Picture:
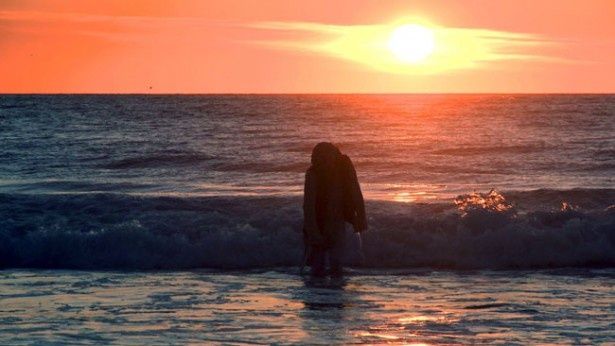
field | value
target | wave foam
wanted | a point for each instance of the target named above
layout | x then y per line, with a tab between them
113	231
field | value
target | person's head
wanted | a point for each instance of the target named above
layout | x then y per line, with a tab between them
324	155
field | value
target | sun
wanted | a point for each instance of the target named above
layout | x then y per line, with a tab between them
411	43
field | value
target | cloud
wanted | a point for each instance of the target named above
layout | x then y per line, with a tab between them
455	48
118	28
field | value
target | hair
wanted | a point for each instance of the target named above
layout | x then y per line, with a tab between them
320	151
326	176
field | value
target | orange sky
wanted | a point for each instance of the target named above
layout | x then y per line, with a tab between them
172	46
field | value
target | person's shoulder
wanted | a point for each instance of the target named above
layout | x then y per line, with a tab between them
345	159
346	162
310	177
309	172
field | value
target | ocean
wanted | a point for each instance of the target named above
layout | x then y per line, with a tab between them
127	219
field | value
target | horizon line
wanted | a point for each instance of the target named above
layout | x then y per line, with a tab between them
303	93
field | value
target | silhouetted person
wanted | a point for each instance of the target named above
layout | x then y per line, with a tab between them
332	196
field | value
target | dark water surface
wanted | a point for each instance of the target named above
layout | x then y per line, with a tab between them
564	306
406	147
90	183
102	181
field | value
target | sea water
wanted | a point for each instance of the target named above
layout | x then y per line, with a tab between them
411	307
151	186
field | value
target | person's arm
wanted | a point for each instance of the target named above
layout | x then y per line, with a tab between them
360	222
310	225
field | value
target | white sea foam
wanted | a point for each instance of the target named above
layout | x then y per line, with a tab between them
129	232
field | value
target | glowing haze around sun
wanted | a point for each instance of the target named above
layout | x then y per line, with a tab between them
409	45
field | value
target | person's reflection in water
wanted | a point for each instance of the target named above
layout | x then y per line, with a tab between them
325	316
332	197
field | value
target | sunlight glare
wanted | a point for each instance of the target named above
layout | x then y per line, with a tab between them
411	43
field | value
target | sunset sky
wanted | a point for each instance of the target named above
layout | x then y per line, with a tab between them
316	46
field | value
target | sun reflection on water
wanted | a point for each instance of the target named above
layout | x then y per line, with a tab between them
422	319
378	335
405	193
407	197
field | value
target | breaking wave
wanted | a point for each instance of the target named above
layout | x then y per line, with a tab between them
531	229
